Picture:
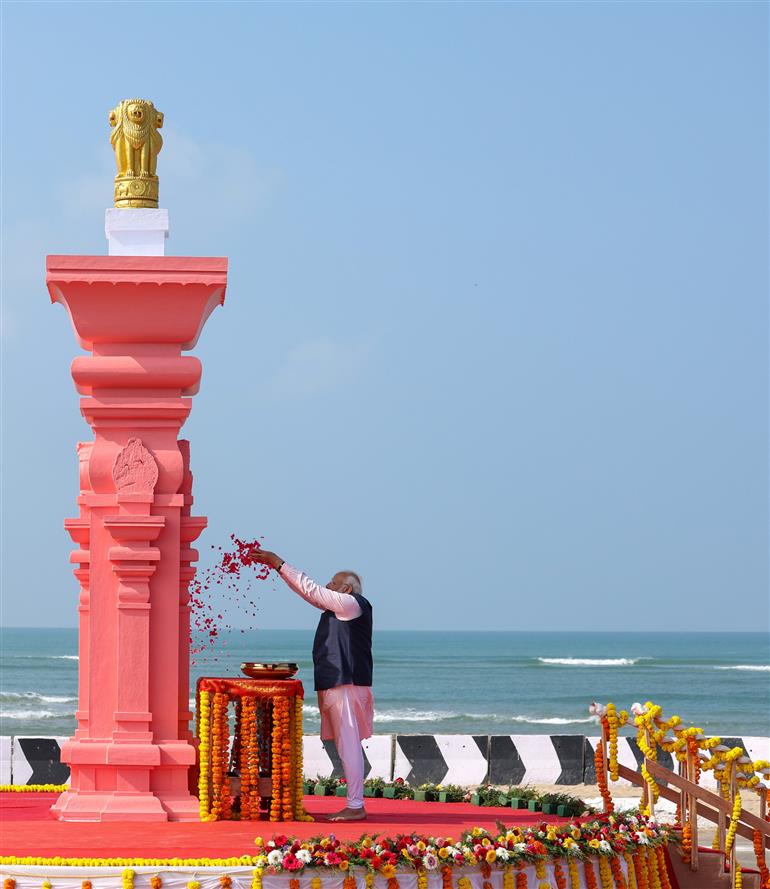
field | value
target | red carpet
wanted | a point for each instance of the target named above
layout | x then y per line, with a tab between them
27	828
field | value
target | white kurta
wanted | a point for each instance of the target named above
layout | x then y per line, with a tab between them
347	711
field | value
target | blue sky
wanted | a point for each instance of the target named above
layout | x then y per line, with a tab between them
496	331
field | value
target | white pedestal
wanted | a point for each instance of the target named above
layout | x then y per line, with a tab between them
136	232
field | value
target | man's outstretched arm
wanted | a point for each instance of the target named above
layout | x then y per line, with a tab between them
343	605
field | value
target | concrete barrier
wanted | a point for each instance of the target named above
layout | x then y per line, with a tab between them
449	759
443	759
321	760
38	761
5	760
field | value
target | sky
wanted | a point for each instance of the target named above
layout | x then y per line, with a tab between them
496	326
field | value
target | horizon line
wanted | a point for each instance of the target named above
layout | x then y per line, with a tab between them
443	631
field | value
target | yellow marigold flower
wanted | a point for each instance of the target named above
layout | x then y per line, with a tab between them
568	843
388	871
344	865
258	841
366	843
477	832
594	844
421	846
443	853
491	856
576	833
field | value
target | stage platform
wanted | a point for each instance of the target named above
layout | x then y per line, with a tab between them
28	829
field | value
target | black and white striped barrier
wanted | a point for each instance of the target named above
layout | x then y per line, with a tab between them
37	761
441	759
321	760
467	760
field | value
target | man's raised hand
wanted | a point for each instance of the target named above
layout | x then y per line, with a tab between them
265	557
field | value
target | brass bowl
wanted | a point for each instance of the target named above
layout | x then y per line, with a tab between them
269	671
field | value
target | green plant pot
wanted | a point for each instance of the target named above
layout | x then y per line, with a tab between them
422	796
475	799
321	790
373	791
549	808
503	800
342	790
389	792
533	805
518	803
307	788
565	811
443	797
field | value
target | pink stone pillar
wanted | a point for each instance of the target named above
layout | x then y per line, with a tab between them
136	315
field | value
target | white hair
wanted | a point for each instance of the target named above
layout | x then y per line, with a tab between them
353	579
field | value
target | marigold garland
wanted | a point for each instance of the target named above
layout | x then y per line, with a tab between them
588	870
9	883
574	874
605	873
541	874
155	882
33	788
601	780
630	870
558	874
256	878
662	867
640	868
617	873
268	730
204	754
759	852
652	868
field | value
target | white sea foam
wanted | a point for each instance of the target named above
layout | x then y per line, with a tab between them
764	668
30	714
551	720
43	657
410	715
590	661
8	696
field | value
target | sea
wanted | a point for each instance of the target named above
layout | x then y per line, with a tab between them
481	683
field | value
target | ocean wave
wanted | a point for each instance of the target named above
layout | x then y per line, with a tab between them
9	696
32	714
42	657
764	668
590	661
551	720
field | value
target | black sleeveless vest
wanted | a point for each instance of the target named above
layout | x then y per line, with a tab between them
342	649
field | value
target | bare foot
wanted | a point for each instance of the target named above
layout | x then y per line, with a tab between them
348	814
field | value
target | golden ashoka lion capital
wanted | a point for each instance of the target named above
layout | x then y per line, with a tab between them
136	142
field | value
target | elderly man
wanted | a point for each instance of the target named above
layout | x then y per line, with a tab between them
342	661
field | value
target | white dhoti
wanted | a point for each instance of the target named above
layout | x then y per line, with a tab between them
347	716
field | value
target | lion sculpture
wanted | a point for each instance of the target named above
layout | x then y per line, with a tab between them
136	142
